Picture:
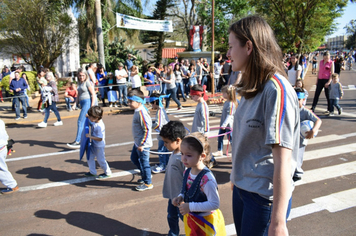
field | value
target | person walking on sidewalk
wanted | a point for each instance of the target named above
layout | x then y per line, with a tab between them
86	99
51	104
326	69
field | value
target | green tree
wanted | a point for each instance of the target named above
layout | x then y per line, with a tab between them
116	52
37	27
226	12
87	28
300	24
351	32
161	12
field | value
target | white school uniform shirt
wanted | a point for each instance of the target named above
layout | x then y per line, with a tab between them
98	130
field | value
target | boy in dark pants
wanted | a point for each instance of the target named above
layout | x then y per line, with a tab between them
172	134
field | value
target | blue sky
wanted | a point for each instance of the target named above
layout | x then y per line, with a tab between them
349	14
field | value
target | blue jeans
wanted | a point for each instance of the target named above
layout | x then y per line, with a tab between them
173	93
102	91
180	88
52	107
204	80
27	99
68	102
334	102
221	138
163	158
164	88
20	98
122	94
84	105
142	161
186	86
252	213
173	219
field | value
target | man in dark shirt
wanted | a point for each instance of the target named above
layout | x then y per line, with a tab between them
315	63
18	86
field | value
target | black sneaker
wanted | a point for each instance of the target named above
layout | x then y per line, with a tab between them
102	176
74	144
340	111
88	174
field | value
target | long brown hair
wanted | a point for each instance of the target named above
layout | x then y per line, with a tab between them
266	56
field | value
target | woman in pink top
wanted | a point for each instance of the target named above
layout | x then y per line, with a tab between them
326	69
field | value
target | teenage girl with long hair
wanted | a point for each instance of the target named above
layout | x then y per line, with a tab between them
266	131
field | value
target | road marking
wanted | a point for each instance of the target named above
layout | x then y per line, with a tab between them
212	121
333	203
327	152
330	138
329	172
66	152
343	113
326	138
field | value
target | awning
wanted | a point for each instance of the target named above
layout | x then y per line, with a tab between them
171	52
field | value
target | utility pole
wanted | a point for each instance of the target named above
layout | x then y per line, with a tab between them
99	32
212	47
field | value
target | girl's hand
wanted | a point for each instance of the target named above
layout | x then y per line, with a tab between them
140	148
87	135
184	208
177	200
277	229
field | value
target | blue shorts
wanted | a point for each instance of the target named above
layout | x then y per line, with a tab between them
314	66
193	81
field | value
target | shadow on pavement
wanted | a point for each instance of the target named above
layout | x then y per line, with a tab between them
39	172
94	222
49	144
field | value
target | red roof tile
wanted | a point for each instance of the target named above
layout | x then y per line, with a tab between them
171	52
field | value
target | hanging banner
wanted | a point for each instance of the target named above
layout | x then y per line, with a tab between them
129	22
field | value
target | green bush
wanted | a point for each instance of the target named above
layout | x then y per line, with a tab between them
31	76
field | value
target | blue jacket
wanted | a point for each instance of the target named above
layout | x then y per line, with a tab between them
21	83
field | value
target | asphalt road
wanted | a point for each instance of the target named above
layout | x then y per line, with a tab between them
56	199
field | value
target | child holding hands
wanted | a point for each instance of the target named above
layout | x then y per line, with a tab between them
336	93
97	136
172	135
199	199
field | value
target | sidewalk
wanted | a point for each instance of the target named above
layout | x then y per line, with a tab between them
33	116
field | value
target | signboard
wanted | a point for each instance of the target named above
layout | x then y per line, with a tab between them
129	22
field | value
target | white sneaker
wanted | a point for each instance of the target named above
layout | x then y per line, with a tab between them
42	124
58	123
110	105
115	105
217	154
